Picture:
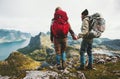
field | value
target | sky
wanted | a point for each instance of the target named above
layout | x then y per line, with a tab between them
35	16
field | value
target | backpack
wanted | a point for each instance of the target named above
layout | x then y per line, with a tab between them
60	30
96	26
60	26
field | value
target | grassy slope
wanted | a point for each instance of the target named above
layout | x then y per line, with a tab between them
103	71
16	64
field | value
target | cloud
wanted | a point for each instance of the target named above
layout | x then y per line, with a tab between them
117	4
35	15
23	8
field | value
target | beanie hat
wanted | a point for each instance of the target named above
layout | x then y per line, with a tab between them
85	12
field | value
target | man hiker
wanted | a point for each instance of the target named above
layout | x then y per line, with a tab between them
86	44
59	30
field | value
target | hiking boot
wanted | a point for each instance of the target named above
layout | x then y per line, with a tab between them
63	64
90	66
81	67
59	67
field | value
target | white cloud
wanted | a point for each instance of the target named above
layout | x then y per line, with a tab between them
35	15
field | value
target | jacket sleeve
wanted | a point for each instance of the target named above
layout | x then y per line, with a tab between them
71	31
84	28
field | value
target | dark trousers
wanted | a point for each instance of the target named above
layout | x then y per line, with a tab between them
86	46
60	48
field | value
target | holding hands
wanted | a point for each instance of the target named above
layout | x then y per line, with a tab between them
74	37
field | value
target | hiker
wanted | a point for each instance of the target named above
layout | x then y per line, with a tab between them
59	30
86	44
92	27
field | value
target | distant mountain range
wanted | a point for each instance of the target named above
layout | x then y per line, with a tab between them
12	35
113	44
97	42
42	42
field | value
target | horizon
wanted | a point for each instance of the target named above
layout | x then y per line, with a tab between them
34	16
49	31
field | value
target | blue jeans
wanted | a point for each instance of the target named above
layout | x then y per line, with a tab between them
86	46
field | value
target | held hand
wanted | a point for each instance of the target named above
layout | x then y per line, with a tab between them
79	36
75	37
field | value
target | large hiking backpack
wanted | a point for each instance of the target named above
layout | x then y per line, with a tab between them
60	30
60	26
96	26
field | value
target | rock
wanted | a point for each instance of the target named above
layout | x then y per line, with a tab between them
108	59
45	64
96	60
59	75
41	75
4	77
51	67
69	66
52	73
118	56
80	75
114	59
72	74
66	71
117	72
101	61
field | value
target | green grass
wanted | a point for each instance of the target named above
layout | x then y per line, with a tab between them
38	55
103	71
16	64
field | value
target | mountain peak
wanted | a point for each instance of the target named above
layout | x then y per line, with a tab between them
37	42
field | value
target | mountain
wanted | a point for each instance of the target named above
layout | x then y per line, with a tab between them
98	41
16	63
113	44
12	35
39	47
38	42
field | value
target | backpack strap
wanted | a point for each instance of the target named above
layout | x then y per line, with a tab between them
90	22
88	19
